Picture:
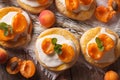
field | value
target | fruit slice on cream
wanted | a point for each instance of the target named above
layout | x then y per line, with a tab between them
54	50
35	3
101	47
13	24
42	2
77	5
106	9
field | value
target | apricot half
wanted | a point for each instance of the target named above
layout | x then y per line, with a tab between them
6	38
13	66
86	2
67	54
42	2
108	43
27	69
19	23
72	4
47	18
104	14
47	46
94	51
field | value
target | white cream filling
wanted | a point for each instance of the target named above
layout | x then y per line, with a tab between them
108	56
52	60
63	3
81	7
102	3
8	18
32	3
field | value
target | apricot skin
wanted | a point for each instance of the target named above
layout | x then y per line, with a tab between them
47	18
3	56
9	64
47	46
94	52
111	75
27	69
67	53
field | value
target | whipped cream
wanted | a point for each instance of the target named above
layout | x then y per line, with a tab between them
52	60
32	3
102	3
8	18
108	56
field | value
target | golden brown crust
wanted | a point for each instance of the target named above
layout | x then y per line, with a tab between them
22	40
87	36
82	15
68	36
34	10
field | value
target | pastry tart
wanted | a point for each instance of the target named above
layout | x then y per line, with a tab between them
15	27
34	6
57	49
100	46
76	9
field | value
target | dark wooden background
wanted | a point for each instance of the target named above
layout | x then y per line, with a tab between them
80	71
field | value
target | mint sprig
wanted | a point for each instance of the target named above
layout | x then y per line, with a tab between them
7	28
99	44
57	47
54	41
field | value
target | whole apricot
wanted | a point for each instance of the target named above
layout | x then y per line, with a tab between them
47	18
3	56
27	69
111	75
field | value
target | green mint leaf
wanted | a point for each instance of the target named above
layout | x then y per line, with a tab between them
54	41
7	28
99	44
6	33
3	26
58	51
57	47
10	29
101	48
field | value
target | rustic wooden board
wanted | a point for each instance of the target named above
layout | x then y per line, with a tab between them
81	70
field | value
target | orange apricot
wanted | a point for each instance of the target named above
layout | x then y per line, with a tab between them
67	54
27	69
42	2
6	38
13	66
19	23
47	18
111	75
108	43
104	14
94	51
72	4
47	46
86	2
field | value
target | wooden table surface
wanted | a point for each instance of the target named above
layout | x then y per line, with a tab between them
80	71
